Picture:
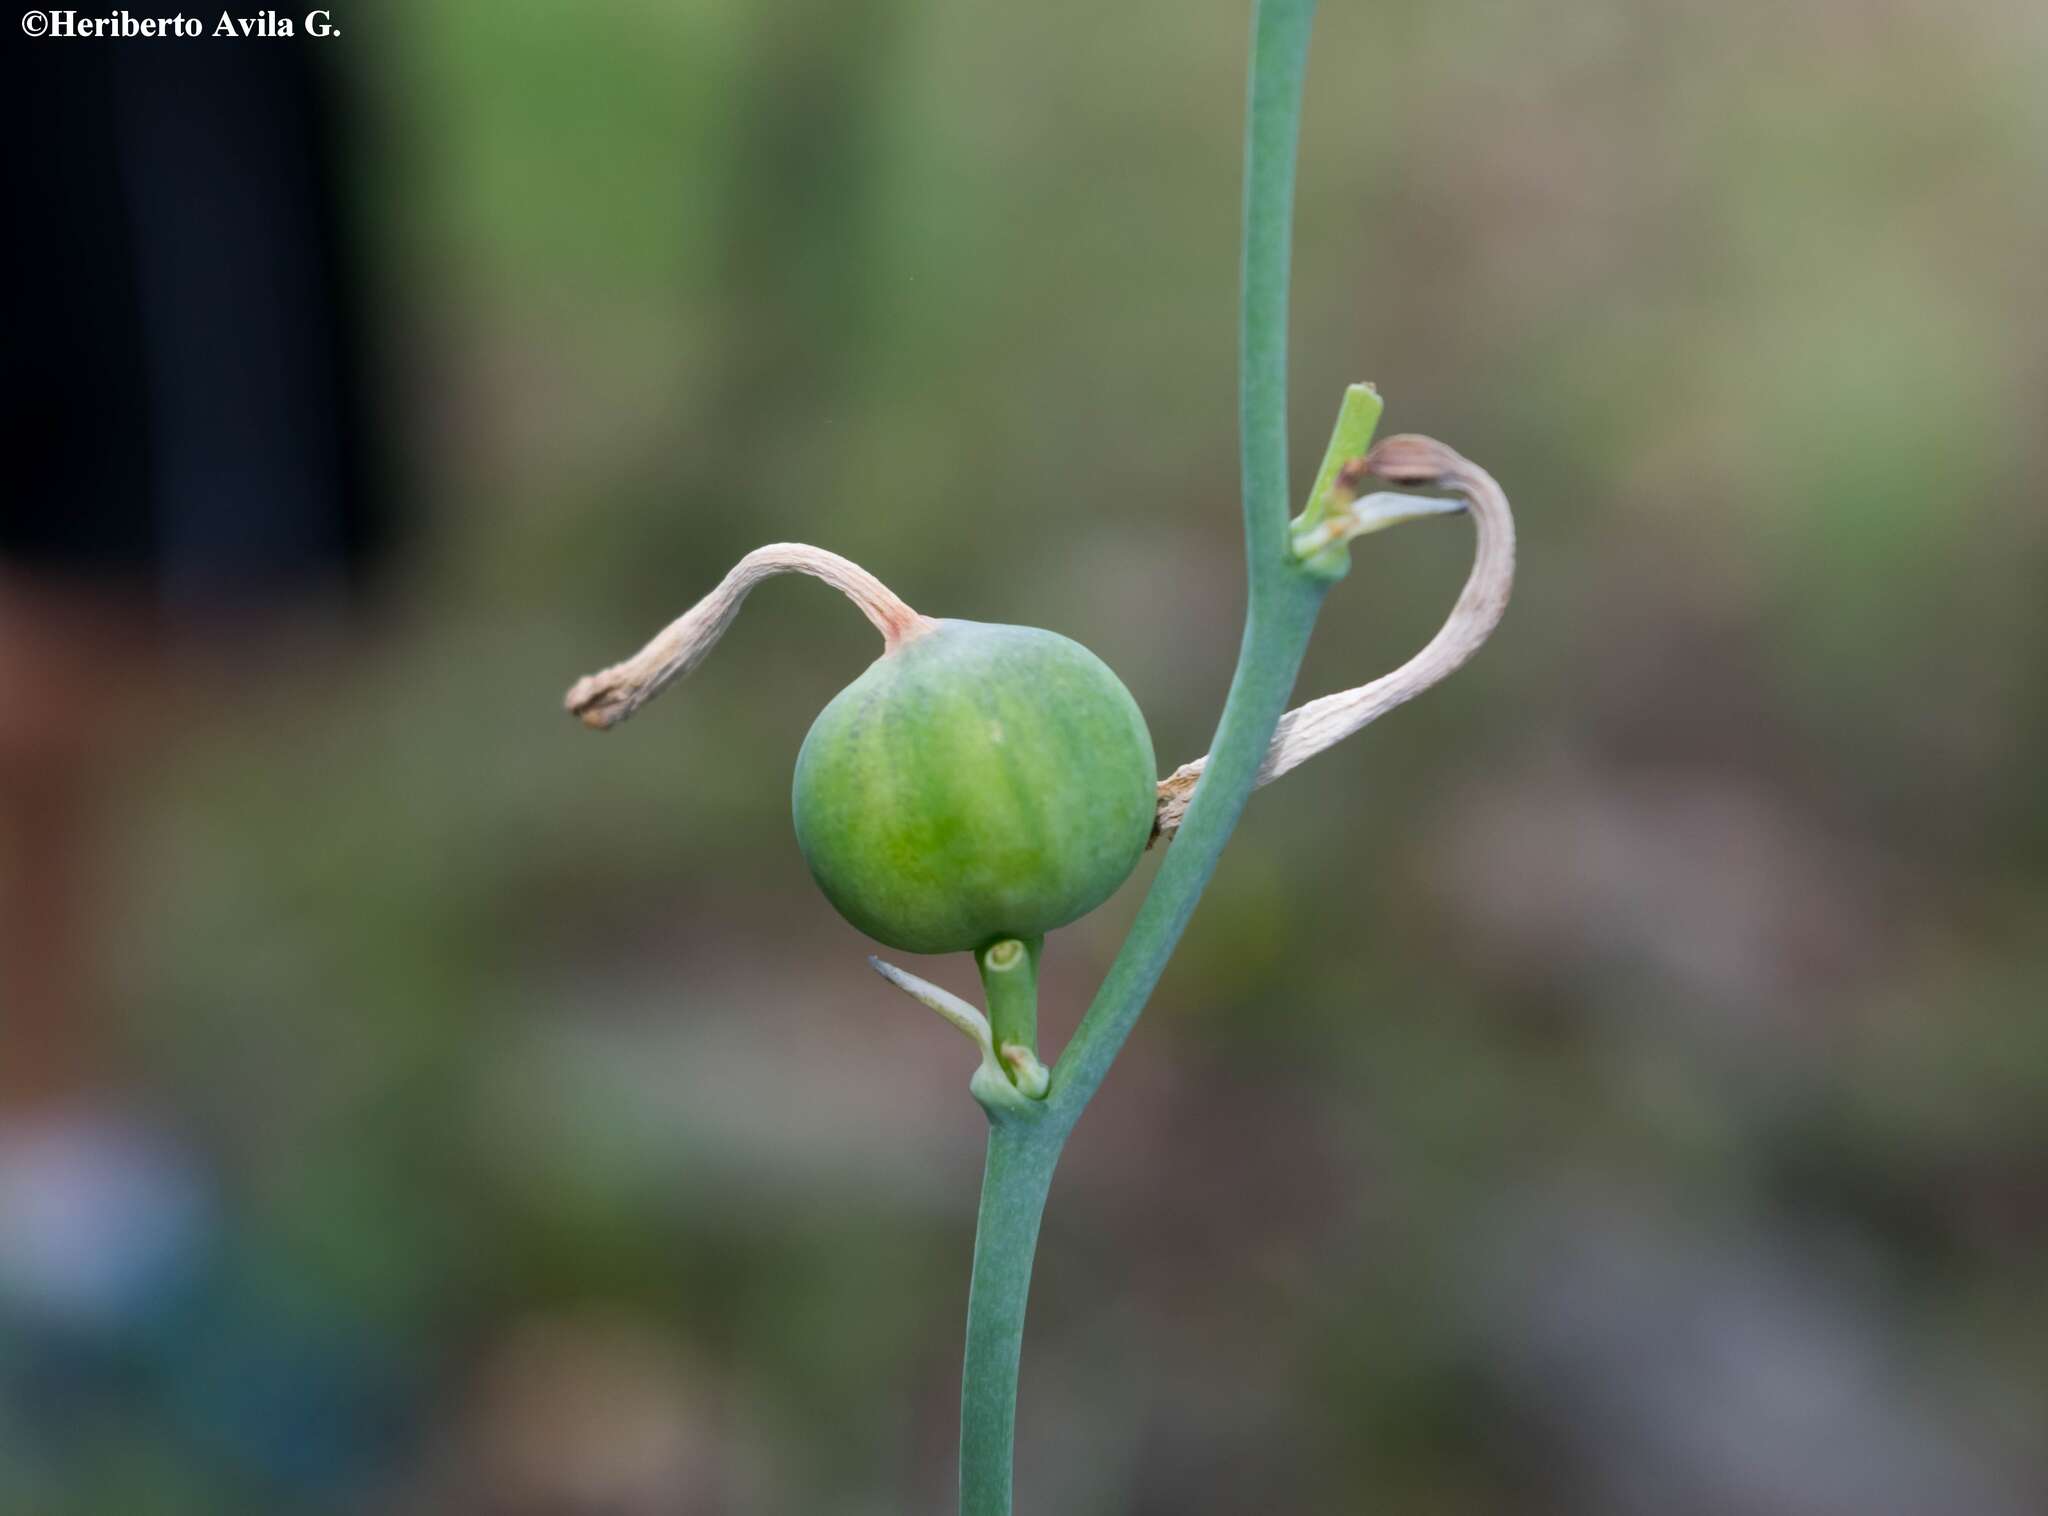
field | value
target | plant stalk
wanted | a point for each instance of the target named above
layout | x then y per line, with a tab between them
1009	984
1282	597
1021	1158
1282	601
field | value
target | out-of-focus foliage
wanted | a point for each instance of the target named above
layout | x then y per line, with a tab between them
1615	1083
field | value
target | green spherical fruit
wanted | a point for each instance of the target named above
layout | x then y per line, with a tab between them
976	783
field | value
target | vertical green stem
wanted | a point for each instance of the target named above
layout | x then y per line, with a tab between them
1274	641
1021	1157
1282	605
1280	33
1283	600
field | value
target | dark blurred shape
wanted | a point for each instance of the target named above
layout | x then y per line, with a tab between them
184	382
187	430
188	441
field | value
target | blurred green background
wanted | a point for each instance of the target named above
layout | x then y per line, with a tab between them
1615	1083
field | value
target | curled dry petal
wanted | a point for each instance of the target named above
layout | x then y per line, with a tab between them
606	698
1417	463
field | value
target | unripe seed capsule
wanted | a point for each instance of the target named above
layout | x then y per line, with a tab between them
977	782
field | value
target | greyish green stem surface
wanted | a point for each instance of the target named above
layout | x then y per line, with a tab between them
1021	1157
1282	602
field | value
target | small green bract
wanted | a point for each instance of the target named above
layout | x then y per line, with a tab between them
979	782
